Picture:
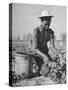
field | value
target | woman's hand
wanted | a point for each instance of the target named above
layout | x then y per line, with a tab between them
46	59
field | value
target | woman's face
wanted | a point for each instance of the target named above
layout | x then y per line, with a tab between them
45	23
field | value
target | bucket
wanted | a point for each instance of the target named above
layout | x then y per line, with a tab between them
22	65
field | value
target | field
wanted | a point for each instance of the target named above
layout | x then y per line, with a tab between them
23	65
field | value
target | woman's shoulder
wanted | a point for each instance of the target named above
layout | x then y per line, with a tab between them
51	30
36	30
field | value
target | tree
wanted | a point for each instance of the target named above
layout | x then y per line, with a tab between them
63	36
18	37
29	37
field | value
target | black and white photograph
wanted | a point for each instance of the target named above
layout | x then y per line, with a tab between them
37	44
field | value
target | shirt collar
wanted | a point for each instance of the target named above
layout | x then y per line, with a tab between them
41	28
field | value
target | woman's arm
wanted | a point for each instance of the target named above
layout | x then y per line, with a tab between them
52	40
35	47
44	56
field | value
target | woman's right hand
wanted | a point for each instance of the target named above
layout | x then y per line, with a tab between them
46	59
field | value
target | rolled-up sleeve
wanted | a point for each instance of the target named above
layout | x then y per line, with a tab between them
52	35
52	39
35	38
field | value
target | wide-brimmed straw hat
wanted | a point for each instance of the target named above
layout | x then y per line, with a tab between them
45	14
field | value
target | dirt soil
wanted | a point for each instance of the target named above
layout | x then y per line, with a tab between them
36	81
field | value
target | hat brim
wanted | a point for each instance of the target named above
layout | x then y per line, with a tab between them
45	17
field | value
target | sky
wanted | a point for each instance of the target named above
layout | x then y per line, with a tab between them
25	18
